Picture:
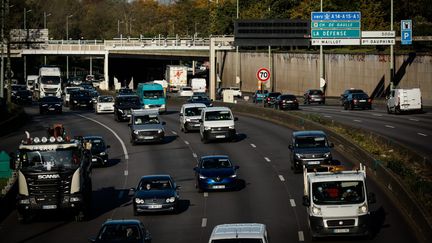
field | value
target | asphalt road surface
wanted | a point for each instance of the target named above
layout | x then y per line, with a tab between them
271	194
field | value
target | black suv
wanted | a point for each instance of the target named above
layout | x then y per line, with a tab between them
50	104
123	106
345	94
99	150
122	230
309	148
357	100
80	98
270	99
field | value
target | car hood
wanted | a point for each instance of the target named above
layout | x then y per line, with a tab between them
129	106
312	150
155	193
223	172
147	127
50	102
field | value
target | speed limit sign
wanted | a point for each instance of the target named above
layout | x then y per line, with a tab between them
263	74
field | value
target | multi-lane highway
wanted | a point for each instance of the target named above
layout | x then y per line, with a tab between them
271	194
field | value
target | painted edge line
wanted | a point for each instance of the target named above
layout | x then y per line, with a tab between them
422	134
186	142
267	159
204	222
205	194
301	236
292	202
194	155
389	126
253	145
281	178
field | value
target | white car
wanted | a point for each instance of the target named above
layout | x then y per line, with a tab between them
185	91
190	115
104	104
236	91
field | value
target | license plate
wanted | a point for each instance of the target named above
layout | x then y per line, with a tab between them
49	206
196	125
148	137
313	162
154	206
220	136
94	160
219	187
289	102
341	230
51	109
362	100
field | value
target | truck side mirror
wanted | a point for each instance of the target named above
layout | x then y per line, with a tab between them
306	201
371	198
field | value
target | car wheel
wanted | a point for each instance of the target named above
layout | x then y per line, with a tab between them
351	107
388	110
345	106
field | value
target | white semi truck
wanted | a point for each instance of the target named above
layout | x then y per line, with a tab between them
176	76
49	83
337	203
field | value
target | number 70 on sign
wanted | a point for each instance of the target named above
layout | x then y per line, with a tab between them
263	74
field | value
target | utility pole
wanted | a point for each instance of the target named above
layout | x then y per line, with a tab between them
3	12
321	70
391	50
45	26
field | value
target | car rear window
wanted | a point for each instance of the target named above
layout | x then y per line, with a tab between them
316	92
237	240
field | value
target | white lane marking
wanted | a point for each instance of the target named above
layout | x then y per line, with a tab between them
126	172
344	111
357	120
412	119
205	194
327	116
389	126
194	155
317	109
281	178
267	159
292	201
125	152
377	115
174	132
422	134
301	236
204	222
186	142
253	145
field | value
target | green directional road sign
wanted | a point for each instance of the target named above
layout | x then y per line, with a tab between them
335	24
333	33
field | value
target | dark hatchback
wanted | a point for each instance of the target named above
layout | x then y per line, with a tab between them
99	150
200	99
155	193
80	98
286	101
50	104
123	106
345	94
357	100
270	99
22	97
309	148
122	230
314	96
215	172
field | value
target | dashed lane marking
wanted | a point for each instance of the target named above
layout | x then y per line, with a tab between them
422	134
175	133
205	194
194	155
204	222
281	178
126	173
357	120
253	145
267	159
186	142
388	126
292	201
301	236
413	119
327	116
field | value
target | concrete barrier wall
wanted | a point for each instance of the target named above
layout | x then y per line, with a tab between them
296	72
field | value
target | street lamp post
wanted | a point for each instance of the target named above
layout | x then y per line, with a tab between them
391	49
237	61
118	27
45	26
27	33
67	38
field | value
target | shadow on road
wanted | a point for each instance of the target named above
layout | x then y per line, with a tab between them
106	199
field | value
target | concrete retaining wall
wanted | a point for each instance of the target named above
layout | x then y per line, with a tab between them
295	72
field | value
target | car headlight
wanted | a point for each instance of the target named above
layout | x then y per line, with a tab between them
316	210
188	119
57	104
363	209
162	106
160	131
170	200
210	104
139	200
102	153
207	128
75	101
136	132
231	127
299	156
327	154
202	177
24	201
119	110
146	106
45	105
233	176
74	199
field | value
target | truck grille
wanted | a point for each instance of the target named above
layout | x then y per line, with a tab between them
46	187
341	223
50	90
155	201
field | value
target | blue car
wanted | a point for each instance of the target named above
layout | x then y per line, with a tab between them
215	172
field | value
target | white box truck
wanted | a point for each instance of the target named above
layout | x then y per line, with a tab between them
48	83
337	203
199	85
404	100
176	76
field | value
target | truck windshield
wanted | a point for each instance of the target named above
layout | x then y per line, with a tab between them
50	80
338	192
218	116
193	111
45	160
310	142
153	94
237	240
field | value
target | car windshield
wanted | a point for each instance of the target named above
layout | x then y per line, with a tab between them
338	192
351	91
80	93
69	90
50	80
146	119
193	111
45	160
287	97
214	163
218	115
157	184
97	144
153	94
106	99
186	88
18	87
120	233
125	91
310	142
315	92
134	100
234	88
237	240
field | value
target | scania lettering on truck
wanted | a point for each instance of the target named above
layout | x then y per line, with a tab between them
53	175
337	203
48	83
152	96
404	100
176	75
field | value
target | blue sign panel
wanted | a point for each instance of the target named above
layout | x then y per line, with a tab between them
329	33
406	32
336	16
335	24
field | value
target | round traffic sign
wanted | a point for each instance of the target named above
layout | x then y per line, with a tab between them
263	74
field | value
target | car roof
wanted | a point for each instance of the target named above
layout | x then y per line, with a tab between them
215	156
232	231
190	105
127	95
151	177
308	133
122	221
217	108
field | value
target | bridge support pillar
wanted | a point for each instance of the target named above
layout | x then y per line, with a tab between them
105	84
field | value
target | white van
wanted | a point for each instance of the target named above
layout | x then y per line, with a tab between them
189	116
250	232
199	85
403	100
217	123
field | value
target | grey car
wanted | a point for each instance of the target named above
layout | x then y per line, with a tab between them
145	126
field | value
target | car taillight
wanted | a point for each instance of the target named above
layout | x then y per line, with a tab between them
268	99
295	101
370	100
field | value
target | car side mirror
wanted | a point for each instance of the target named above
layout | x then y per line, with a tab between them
178	187
92	239
290	146
306	201
108	146
236	167
331	145
235	118
371	198
195	169
163	123
132	191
